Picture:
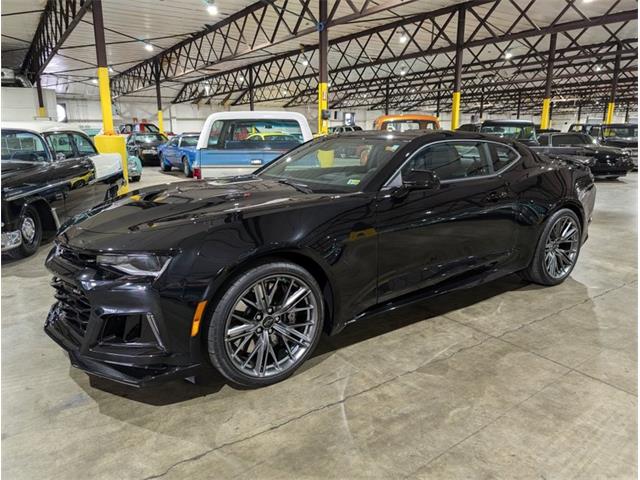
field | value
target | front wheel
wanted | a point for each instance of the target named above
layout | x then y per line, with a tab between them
266	324
166	167
31	232
557	250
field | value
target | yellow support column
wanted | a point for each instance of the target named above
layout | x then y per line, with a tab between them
455	111
544	119
42	112
160	124
323	104
610	110
108	142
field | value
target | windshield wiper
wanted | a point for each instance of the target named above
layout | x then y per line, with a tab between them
298	186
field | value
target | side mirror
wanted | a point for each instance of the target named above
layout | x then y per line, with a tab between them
60	157
421	180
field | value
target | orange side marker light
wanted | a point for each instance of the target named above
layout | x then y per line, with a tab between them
195	325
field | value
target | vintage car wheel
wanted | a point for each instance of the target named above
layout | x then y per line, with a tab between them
266	324
557	251
31	231
185	168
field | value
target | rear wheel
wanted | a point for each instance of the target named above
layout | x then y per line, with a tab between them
135	178
266	325
557	251
31	232
185	168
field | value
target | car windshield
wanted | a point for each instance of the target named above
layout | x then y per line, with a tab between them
342	164
190	141
149	137
622	131
148	127
22	146
512	132
404	125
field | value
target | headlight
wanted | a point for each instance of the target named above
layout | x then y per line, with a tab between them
148	265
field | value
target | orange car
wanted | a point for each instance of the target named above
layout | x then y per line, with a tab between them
409	121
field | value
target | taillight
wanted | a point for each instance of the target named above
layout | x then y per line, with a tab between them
197	173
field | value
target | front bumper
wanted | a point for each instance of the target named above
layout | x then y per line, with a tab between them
117	328
11	240
619	168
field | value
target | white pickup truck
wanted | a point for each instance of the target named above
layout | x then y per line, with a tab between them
233	143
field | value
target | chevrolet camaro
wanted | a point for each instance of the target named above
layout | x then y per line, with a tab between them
245	273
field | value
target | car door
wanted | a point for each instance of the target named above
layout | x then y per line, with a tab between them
76	170
466	226
171	151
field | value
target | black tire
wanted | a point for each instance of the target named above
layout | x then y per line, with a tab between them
216	326
537	271
135	179
29	245
165	167
185	168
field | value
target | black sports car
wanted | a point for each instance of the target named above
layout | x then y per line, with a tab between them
604	161
244	273
145	146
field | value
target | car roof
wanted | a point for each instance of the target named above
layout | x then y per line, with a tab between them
424	136
40	126
507	121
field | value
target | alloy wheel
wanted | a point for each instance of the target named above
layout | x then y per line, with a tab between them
271	326
561	248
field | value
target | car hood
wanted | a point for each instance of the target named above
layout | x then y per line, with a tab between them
183	205
602	149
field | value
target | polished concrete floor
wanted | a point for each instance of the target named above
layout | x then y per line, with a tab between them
505	381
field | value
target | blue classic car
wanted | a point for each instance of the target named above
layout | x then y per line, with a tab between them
179	152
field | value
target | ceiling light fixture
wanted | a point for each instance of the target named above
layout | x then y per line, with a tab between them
403	38
598	68
305	62
508	55
148	47
94	80
403	72
212	9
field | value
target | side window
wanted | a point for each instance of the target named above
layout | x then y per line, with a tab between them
501	156
60	143
174	142
83	144
543	140
564	140
23	146
452	160
214	133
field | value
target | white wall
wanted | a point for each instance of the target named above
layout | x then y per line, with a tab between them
21	104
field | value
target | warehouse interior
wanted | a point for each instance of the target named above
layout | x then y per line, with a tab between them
505	380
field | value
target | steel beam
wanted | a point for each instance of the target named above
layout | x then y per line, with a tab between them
249	31
57	22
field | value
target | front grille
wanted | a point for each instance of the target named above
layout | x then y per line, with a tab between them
73	305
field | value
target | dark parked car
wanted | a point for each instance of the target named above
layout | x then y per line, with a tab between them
48	175
244	273
621	135
608	162
520	130
145	146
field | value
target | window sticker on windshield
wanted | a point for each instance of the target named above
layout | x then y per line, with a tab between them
353	181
